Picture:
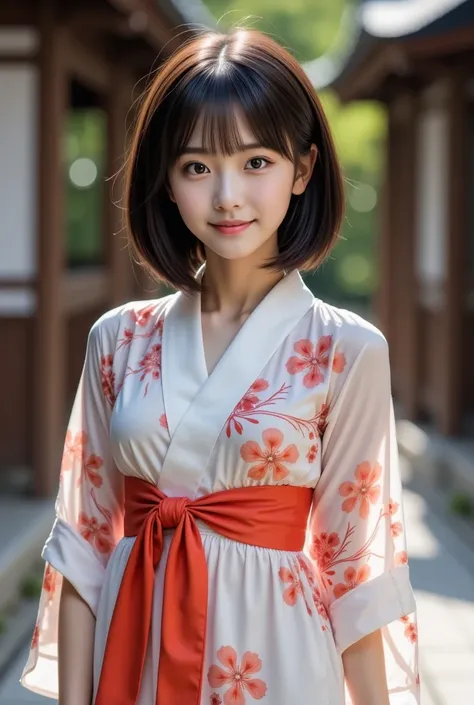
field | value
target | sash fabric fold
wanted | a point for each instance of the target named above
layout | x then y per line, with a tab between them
273	517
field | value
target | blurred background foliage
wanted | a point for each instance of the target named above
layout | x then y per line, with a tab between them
309	29
85	155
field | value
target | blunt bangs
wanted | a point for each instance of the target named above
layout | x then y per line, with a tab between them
206	82
212	98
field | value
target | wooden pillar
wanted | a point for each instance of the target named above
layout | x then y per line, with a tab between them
49	357
408	339
118	255
386	234
451	338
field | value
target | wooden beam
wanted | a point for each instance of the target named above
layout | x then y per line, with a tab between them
365	81
49	359
423	57
18	283
453	42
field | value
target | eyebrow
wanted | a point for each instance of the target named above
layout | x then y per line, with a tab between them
202	150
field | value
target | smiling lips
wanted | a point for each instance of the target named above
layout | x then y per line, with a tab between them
232	227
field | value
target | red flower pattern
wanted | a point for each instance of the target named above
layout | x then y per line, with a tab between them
73	447
97	533
164	422
396	529
107	377
309	572
90	470
401	558
364	490
143	316
323	551
35	638
251	406
74	451
270	458
141	319
312	453
316	359
238	677
215	699
392	507
295	587
323	419
250	398
49	580
411	632
328	550
150	364
352	579
320	606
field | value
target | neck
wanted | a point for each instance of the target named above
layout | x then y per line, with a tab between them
236	287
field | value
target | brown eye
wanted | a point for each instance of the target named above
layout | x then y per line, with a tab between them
257	162
200	168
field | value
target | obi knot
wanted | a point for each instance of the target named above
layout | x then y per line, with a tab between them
268	516
171	510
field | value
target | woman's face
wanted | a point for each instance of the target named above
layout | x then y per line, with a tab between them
253	186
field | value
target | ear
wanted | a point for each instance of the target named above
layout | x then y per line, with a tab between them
170	191
305	169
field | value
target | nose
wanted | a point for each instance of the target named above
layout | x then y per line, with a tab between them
228	192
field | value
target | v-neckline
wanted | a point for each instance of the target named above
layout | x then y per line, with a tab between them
197	404
228	350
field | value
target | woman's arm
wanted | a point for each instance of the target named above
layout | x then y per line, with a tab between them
364	669
357	534
75	648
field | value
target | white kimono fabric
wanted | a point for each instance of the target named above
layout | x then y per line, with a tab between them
300	397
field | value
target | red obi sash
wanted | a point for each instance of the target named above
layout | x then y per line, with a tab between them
272	517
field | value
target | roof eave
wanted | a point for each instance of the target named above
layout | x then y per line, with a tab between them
376	34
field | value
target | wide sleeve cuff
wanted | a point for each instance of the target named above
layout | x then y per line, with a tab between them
72	556
371	606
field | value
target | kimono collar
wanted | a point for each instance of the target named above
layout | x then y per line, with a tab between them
197	405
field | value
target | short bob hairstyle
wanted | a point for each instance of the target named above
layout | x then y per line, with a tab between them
207	78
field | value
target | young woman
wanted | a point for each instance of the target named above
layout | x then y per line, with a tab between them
229	522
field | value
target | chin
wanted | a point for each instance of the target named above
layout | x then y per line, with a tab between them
233	251
235	248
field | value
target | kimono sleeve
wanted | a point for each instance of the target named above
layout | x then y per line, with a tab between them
357	529
89	513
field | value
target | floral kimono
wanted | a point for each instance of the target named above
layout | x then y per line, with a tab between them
301	397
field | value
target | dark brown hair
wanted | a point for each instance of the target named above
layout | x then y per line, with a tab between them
206	78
